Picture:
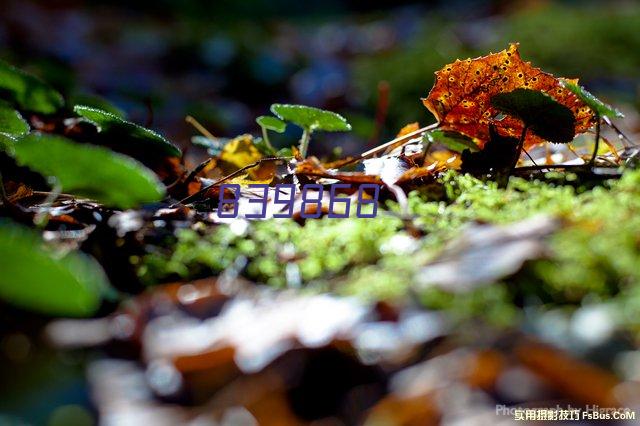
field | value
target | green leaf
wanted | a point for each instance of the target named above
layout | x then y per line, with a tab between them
37	279
452	140
11	122
6	143
539	112
97	102
284	152
28	92
119	128
271	123
311	118
264	149
90	171
596	105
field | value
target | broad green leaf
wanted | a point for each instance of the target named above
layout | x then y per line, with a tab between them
119	128
541	113
37	279
11	122
6	143
596	105
28	92
311	118
452	140
271	123
90	171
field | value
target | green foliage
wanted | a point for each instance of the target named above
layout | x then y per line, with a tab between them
271	123
98	173
126	130
541	113
596	105
11	122
37	279
28	92
352	242
97	102
6	143
310	118
452	140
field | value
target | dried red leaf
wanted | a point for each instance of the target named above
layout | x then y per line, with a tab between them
461	96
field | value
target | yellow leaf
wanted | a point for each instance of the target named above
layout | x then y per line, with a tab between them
241	152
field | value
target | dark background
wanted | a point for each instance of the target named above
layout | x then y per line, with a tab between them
225	62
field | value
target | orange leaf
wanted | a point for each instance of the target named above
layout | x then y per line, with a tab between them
461	96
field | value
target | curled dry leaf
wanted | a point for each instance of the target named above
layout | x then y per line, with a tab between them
461	96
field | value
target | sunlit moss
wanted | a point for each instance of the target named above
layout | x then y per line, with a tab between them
594	254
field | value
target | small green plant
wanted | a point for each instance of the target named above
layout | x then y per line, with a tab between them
270	123
310	120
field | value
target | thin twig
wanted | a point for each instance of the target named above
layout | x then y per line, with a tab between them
612	148
530	157
621	135
199	127
397	141
551	166
192	197
191	176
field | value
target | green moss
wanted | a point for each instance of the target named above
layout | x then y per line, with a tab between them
595	254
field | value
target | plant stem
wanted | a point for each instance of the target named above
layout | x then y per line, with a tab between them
595	148
265	138
304	142
519	150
